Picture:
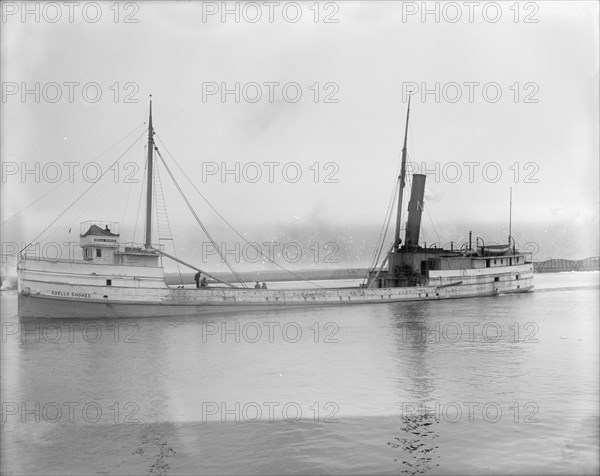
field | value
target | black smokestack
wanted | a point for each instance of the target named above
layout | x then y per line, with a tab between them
415	209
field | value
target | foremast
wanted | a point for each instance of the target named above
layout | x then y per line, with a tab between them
148	240
148	236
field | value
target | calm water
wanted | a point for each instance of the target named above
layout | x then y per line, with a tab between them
502	385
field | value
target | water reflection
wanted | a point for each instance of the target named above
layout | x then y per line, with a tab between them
417	434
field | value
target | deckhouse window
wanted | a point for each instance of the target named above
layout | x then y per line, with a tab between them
109	282
98	253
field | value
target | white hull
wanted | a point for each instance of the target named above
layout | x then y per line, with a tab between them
73	289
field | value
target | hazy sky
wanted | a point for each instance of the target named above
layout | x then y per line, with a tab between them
541	134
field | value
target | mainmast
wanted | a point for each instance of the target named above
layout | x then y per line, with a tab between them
510	218
149	181
402	177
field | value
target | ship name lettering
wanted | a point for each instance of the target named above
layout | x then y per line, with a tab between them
84	295
72	294
59	293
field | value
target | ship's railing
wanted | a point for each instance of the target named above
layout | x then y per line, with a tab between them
139	247
113	226
464	247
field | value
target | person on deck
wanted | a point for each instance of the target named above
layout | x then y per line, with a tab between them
204	283
197	279
257	286
264	286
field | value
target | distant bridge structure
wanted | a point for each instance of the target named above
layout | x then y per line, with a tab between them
557	265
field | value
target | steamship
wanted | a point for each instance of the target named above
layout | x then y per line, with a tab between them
113	280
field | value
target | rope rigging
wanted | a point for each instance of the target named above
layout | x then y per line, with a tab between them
81	195
68	177
387	220
163	226
137	161
253	245
381	240
198	219
137	216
